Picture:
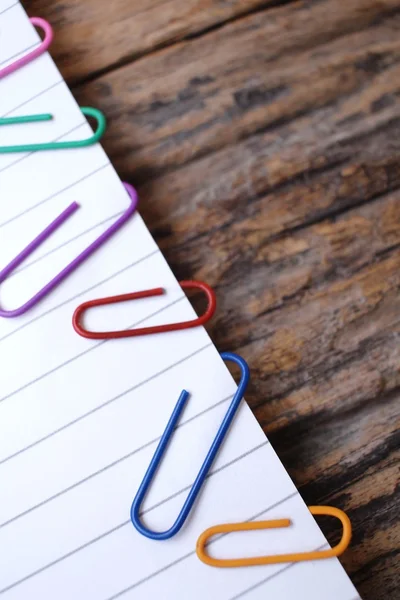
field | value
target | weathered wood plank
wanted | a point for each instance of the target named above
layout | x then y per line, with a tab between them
245	164
307	74
267	157
333	350
92	38
351	459
266	230
328	364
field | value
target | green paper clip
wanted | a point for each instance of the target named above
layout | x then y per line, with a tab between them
87	110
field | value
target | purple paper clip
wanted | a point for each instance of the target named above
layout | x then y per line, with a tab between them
75	263
48	38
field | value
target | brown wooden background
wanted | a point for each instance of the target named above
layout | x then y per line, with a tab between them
264	139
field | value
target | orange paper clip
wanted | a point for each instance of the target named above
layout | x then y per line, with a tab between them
274	524
103	335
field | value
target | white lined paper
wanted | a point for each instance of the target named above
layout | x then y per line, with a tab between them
80	419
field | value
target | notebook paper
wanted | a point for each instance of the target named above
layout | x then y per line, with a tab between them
80	419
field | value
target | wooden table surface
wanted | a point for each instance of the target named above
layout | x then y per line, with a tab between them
264	139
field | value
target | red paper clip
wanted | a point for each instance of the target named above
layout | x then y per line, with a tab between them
104	335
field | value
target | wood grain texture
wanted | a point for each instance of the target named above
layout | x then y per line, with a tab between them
108	34
264	139
286	66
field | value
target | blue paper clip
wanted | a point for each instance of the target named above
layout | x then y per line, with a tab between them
202	474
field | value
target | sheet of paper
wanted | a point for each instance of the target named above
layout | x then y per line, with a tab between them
80	419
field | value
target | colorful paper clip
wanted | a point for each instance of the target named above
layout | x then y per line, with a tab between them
104	335
202	474
75	263
43	47
273	524
86	110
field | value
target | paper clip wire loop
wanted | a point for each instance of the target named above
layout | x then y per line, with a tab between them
274	524
41	49
75	263
202	474
86	110
103	335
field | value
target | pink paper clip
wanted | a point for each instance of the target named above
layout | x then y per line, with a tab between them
48	38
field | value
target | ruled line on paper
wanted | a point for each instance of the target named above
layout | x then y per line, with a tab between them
7	9
24	50
110	465
28	154
66	243
31	47
152	575
193	552
100	406
81	293
272	576
146	511
71	185
55	194
47	89
87	351
212	473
